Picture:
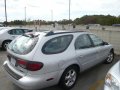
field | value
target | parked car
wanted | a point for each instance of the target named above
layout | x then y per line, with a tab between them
3	28
2	25
41	59
112	80
7	34
116	25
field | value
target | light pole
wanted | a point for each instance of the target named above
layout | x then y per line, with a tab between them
5	13
51	15
69	12
25	14
69	9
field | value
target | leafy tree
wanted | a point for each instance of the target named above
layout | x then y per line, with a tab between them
87	19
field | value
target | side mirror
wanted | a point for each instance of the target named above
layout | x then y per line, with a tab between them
105	43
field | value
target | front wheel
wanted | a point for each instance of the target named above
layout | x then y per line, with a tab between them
110	58
69	78
5	44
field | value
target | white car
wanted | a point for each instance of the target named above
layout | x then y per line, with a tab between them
41	59
4	28
7	34
1	25
112	80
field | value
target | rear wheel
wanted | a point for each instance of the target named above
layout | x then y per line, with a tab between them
5	44
69	78
110	57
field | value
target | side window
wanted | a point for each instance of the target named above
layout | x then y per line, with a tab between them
96	40
19	32
12	32
16	32
83	41
57	45
26	30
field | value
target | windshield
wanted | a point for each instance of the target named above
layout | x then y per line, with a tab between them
23	44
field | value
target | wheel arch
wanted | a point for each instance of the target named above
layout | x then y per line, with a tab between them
112	50
72	65
6	40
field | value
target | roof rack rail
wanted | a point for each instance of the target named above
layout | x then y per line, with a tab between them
50	33
31	35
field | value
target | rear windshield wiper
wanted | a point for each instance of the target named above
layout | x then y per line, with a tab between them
30	35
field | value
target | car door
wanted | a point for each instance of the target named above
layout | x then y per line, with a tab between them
86	54
15	33
100	47
12	34
19	32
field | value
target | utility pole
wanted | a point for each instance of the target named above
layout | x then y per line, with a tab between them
25	14
69	12
51	15
5	13
69	8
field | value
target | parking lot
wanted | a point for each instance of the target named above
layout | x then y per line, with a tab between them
92	79
54	40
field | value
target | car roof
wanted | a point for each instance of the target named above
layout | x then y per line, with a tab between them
45	33
7	28
56	32
4	29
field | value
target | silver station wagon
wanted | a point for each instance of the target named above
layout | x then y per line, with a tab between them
41	59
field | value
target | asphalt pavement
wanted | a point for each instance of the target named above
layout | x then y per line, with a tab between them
92	79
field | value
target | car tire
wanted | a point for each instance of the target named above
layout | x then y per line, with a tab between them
69	78
110	58
5	44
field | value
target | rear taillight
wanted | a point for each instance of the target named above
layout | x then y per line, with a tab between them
22	63
33	66
30	65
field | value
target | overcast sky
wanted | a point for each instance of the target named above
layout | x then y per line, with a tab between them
43	9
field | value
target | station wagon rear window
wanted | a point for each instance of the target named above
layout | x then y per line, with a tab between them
23	44
57	44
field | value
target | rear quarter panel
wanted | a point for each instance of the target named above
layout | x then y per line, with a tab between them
55	62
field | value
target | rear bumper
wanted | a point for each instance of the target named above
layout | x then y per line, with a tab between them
32	81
